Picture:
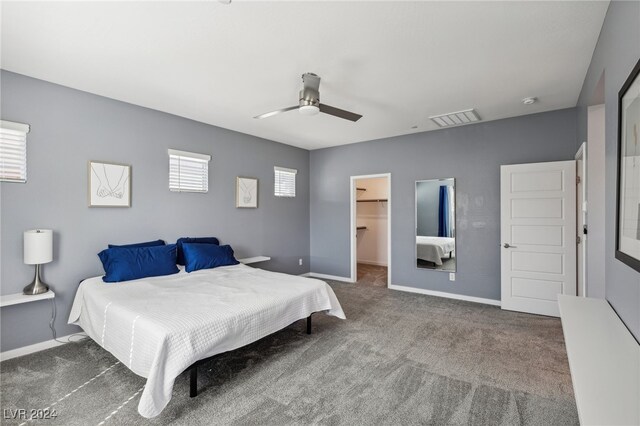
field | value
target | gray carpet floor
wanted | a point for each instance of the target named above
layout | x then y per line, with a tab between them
398	359
372	275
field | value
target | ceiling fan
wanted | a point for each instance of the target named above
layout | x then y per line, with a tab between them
310	102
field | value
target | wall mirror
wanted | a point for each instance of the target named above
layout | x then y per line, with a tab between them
436	224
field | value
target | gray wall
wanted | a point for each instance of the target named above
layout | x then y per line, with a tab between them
616	53
428	207
70	127
470	154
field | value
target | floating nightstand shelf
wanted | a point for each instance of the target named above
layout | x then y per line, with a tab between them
248	260
18	298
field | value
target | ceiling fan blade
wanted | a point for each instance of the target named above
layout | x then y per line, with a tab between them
272	113
347	115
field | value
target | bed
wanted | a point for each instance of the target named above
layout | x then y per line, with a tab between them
434	249
161	326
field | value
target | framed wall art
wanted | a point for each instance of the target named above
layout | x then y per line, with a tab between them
109	184
246	192
628	188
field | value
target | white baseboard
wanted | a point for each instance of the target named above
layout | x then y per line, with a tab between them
372	262
444	294
327	277
37	347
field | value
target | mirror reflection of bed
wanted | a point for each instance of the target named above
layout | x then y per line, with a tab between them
435	224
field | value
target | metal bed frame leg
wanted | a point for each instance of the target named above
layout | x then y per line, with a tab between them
193	370
193	385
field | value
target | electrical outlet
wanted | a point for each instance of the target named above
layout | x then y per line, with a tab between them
300	261
452	276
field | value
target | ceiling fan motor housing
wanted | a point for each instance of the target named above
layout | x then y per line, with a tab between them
310	93
309	104
309	97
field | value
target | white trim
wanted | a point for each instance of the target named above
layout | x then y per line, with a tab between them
581	150
582	210
445	295
37	347
327	277
353	231
187	154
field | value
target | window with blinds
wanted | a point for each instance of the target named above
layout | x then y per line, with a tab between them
13	151
285	182
188	171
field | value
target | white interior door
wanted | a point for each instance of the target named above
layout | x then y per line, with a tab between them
538	223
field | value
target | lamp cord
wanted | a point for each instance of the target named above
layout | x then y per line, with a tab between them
54	312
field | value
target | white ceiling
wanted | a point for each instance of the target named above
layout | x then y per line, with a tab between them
396	63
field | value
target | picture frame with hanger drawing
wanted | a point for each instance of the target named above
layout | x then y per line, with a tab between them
109	184
628	174
246	192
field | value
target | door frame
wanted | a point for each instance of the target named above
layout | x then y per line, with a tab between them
582	210
596	218
353	225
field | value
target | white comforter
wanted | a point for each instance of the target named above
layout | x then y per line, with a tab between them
433	249
160	326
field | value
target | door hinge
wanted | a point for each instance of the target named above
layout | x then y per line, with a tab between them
578	239
578	180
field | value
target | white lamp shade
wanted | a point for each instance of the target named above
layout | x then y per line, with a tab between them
38	246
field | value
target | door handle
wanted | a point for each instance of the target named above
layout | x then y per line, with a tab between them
507	245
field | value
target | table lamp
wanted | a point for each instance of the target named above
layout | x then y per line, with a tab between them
38	249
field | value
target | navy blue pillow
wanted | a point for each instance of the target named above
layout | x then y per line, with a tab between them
200	240
147	244
207	256
124	264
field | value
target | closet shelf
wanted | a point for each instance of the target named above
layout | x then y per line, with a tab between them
361	228
377	200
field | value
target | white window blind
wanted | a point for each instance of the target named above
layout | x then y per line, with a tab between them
188	171
13	151
285	182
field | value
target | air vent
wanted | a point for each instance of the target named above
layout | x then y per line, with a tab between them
459	118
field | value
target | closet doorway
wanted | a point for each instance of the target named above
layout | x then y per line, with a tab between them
371	229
